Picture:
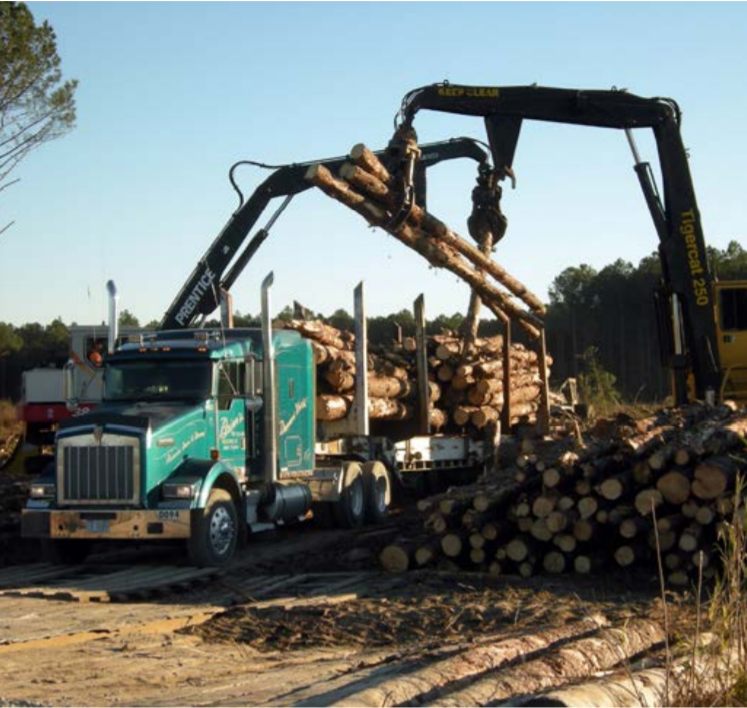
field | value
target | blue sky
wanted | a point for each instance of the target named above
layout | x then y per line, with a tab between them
171	94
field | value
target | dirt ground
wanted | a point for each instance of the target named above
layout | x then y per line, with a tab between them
270	632
302	617
430	611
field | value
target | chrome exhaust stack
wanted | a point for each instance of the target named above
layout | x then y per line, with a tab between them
360	402
270	471
226	309
283	503
421	360
113	315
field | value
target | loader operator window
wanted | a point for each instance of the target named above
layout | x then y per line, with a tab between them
95	348
733	307
157	380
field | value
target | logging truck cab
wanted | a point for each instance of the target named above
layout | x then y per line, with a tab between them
203	435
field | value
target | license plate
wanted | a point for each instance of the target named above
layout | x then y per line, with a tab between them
97	525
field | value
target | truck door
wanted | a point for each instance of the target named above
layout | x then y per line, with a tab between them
295	398
731	322
231	428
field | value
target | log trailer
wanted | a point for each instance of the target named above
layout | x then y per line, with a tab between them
204	435
702	322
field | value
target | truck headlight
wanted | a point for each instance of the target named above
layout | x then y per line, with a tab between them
42	491
178	491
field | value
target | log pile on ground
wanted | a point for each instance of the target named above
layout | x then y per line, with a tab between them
451	640
667	484
466	388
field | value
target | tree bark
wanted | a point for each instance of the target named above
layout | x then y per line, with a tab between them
330	408
318	331
367	160
471	661
441	253
701	675
574	660
388	387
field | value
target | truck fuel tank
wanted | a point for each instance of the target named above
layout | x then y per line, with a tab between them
289	503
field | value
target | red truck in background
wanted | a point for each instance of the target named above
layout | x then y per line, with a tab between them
45	392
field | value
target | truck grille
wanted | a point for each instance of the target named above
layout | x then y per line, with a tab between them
99	474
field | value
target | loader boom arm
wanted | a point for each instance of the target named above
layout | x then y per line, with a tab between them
200	294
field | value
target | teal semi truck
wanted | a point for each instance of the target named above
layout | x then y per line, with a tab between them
205	435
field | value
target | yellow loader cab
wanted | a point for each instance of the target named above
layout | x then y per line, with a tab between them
730	302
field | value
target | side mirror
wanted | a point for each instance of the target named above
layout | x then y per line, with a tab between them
68	386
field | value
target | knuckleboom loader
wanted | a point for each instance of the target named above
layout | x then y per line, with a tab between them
209	284
203	435
702	321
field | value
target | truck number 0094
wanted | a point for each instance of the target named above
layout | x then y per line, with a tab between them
168	515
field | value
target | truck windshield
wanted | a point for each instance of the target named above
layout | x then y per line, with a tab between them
161	380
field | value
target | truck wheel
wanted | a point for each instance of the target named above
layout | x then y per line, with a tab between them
350	511
377	490
214	531
64	552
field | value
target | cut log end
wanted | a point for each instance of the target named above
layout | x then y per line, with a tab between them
394	559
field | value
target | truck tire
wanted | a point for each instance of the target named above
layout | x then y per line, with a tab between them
350	510
63	551
215	531
377	491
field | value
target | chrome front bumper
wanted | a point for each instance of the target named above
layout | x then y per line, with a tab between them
98	524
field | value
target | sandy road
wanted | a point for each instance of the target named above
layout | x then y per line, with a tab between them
131	655
93	653
188	651
301	619
71	653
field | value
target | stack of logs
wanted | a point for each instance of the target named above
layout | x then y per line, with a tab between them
466	388
664	487
466	373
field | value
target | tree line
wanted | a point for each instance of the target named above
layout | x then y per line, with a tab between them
600	324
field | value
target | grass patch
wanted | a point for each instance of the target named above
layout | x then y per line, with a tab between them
717	671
